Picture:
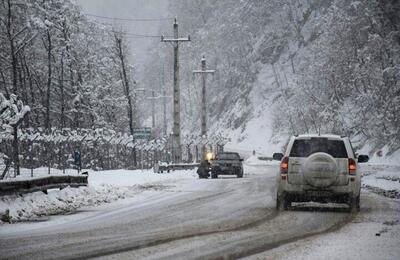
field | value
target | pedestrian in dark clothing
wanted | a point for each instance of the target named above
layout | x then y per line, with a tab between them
203	170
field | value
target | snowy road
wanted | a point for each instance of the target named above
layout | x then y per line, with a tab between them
226	217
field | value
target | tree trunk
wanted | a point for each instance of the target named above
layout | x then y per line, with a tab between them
12	49
125	80
16	150
47	120
61	83
14	84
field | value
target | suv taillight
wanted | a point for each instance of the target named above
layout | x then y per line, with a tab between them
352	166
284	166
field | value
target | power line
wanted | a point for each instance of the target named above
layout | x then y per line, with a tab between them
128	35
130	19
135	35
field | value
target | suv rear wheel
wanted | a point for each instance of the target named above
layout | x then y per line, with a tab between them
354	204
214	175
282	202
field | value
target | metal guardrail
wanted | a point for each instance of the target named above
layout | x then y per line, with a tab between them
265	158
41	184
172	167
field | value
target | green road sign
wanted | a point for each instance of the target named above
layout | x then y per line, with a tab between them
142	133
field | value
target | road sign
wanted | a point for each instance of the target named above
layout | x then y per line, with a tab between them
142	133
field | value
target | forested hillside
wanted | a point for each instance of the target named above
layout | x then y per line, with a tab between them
311	66
282	67
72	72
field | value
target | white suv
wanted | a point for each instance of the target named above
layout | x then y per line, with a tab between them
320	168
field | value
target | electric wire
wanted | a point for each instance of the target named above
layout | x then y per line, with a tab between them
130	19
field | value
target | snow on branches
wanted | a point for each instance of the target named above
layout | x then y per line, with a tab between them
12	111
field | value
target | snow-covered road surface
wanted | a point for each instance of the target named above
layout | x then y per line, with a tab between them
204	219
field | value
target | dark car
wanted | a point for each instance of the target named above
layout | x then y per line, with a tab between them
227	163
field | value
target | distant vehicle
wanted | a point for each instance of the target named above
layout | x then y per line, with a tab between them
227	163
320	168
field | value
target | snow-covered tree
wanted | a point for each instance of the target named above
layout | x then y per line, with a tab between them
12	112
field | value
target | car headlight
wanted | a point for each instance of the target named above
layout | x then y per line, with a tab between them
209	156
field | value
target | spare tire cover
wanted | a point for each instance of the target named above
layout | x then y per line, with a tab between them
320	170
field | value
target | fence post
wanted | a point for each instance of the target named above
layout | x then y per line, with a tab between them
197	153
31	157
48	157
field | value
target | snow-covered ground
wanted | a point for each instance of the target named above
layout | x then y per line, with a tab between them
382	179
374	233
179	216
108	186
255	161
104	187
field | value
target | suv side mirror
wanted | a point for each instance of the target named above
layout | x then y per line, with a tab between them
363	158
241	159
277	156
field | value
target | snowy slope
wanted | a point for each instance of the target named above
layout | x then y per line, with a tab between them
257	133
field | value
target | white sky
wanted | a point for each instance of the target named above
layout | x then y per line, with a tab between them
133	9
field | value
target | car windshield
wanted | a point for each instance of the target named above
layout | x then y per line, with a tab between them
227	156
304	148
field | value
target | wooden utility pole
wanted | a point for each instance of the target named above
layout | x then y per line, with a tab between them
165	112
203	73
176	139
164	102
153	110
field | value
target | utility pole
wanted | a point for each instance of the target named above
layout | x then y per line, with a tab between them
203	73
165	112
176	132
164	92
153	110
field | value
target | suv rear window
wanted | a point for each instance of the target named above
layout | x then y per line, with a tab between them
227	156
304	148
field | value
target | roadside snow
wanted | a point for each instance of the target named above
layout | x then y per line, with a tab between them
33	206
254	161
104	187
382	183
385	158
123	178
382	179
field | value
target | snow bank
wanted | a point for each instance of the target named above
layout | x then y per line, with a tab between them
393	159
382	179
104	187
255	161
133	177
33	206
